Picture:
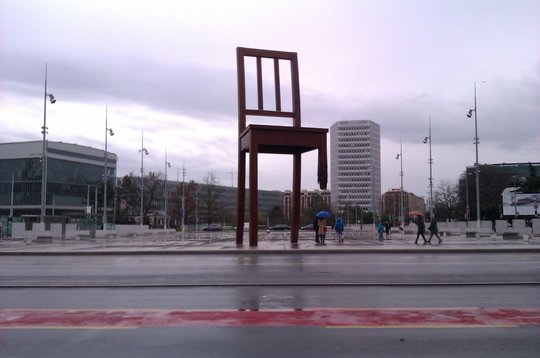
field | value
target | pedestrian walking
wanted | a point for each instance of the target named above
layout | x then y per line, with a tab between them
316	228
434	230
339	229
387	228
421	229
321	224
380	231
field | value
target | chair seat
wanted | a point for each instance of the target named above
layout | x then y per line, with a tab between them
282	139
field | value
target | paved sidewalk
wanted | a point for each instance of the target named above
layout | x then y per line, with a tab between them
275	242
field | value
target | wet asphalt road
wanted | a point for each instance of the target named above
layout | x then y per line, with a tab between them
266	283
254	269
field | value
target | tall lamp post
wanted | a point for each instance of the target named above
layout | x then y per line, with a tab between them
108	131
401	213
466	199
143	152
167	165
477	165
430	161
514	197
373	208
12	195
183	200
51	98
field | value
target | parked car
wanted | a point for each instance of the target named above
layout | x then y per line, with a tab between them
307	227
280	227
213	227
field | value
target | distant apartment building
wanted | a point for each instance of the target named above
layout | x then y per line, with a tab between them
411	204
307	199
355	165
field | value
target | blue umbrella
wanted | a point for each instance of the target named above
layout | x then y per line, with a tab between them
323	214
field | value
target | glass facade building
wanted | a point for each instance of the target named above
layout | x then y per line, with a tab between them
75	179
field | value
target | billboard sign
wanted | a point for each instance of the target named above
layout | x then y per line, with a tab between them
520	204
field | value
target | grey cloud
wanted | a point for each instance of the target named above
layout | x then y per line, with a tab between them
180	88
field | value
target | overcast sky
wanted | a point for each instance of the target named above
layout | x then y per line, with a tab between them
169	68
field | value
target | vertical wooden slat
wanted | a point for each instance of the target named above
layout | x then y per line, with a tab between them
277	84
297	122
241	82
259	84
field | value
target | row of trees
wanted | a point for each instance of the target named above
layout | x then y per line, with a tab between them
200	201
203	202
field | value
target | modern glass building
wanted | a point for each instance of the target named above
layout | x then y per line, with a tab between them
355	165
75	180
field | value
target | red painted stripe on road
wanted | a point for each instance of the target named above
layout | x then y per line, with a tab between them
326	317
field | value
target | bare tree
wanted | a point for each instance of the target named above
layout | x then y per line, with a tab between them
316	203
210	197
153	186
190	206
126	199
275	216
128	196
446	200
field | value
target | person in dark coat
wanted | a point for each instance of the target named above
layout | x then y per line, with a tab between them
316	228
434	230
421	229
387	228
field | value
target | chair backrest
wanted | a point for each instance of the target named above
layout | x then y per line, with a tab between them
276	56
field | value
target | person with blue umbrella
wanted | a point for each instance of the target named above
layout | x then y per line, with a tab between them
321	224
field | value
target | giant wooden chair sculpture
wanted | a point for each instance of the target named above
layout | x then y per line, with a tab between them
256	138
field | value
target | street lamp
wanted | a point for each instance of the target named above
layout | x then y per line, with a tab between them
167	165
108	131
143	152
12	195
183	200
51	98
514	197
477	165
430	161
466	199
400	156
372	197
94	208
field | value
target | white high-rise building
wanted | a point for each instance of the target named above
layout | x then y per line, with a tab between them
355	165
